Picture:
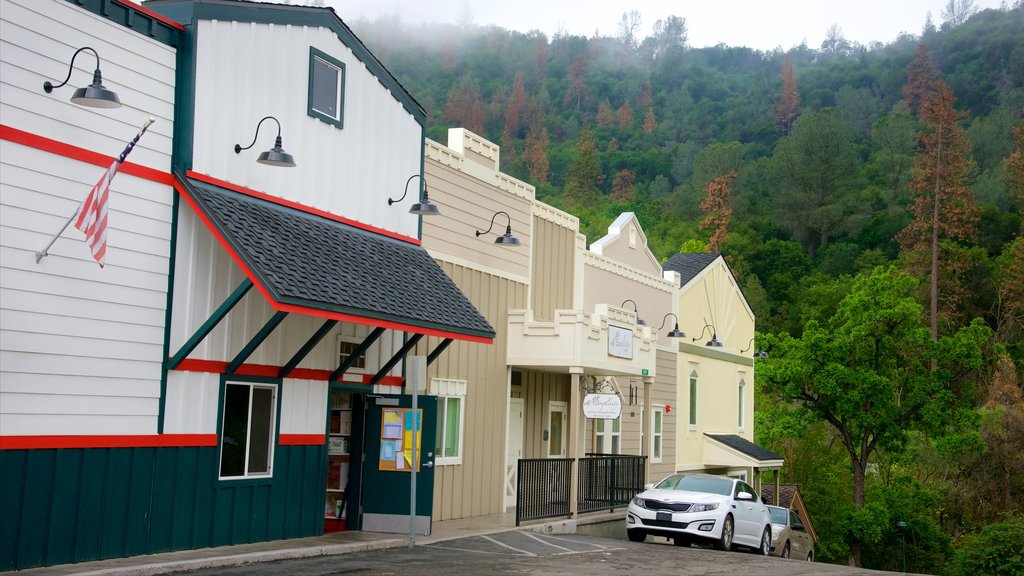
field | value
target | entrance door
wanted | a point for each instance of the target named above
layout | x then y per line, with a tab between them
557	424
387	468
515	449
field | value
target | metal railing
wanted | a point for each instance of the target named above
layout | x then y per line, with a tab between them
543	488
609	481
605	481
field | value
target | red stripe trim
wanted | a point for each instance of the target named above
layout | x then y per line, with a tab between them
266	371
301	439
301	207
305	310
81	154
141	441
151	14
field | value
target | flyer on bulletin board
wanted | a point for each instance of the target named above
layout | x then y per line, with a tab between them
396	427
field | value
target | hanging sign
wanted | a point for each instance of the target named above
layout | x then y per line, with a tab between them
602	406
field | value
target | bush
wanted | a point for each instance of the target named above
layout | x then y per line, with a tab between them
994	550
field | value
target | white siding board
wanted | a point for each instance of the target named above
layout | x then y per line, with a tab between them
80	346
303	407
190	405
76	424
350	171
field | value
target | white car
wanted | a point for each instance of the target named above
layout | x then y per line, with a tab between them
789	537
692	508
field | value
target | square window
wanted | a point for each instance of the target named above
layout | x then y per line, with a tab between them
247	435
326	88
451	405
345	349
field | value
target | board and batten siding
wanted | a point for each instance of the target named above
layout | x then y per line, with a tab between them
476	486
538	390
663	393
80	346
206	275
468	195
349	171
554	266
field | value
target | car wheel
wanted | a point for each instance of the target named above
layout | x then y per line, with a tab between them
785	550
725	542
683	541
636	535
766	541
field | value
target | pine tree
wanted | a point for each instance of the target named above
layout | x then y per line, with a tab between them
625	117
604	114
585	171
650	124
516	106
921	78
717	207
623	186
788	108
944	207
536	156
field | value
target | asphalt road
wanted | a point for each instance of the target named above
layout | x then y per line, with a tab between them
531	553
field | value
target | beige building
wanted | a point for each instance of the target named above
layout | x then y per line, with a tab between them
571	320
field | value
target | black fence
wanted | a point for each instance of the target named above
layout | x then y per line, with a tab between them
609	481
605	481
543	490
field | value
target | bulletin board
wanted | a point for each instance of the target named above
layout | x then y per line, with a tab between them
396	427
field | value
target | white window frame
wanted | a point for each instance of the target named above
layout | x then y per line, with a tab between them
605	431
271	430
563	408
449	391
693	414
657	434
741	392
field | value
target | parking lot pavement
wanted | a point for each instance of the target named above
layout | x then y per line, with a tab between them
528	544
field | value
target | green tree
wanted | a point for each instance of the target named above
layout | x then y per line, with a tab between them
867	373
585	172
818	163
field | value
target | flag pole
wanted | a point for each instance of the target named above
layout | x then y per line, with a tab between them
120	159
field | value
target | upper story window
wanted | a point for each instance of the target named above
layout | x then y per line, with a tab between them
326	88
693	395
346	348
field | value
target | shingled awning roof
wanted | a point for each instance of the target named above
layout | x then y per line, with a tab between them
735	450
315	265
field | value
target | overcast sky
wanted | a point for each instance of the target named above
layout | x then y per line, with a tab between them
760	24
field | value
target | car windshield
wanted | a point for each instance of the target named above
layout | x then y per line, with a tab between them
707	484
779	515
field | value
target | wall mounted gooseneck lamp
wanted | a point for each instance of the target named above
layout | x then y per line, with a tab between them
675	332
636	311
714	343
761	353
94	95
424	207
276	156
508	239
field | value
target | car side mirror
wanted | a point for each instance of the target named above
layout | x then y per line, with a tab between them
648	486
744	496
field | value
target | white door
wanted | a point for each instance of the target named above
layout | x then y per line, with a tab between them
557	429
515	449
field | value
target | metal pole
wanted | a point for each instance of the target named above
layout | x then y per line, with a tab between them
417	372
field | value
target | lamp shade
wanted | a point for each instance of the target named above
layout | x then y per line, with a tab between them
96	96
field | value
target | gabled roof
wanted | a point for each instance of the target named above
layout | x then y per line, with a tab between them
690	264
316	265
185	11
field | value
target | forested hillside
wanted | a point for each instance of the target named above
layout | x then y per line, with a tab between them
833	178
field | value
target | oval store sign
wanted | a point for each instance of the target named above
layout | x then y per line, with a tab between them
602	406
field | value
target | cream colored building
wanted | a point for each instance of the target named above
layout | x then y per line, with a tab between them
568	320
715	367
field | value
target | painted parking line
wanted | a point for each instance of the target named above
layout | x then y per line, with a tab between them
502	545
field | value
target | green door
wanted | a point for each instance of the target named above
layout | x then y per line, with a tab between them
386	474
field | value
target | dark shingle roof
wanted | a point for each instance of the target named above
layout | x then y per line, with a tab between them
690	264
312	261
745	446
787	492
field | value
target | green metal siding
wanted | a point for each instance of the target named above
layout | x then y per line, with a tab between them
74	505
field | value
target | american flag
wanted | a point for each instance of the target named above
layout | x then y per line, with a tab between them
92	214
